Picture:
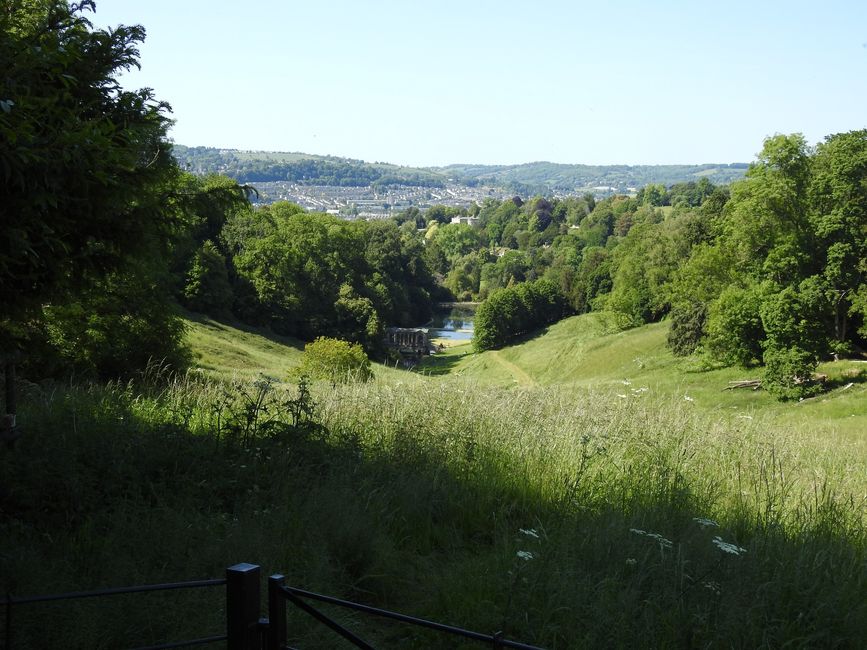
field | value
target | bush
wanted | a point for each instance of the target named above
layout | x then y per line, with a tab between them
335	360
788	373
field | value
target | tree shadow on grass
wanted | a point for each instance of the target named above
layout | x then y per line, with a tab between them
382	510
438	365
225	324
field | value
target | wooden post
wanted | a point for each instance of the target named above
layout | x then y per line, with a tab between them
276	613
242	607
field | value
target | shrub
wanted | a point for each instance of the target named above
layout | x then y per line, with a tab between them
335	360
788	373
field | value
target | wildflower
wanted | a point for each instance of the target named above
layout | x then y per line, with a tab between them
728	547
631	561
705	523
525	555
713	586
621	395
625	382
529	532
662	541
688	398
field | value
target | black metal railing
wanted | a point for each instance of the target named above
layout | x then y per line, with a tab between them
10	602
271	633
246	629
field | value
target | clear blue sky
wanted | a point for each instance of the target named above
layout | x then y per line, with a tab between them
501	82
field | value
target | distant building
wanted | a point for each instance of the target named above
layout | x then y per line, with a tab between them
409	341
467	221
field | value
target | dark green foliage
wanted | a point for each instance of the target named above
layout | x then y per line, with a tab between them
115	328
687	328
96	213
788	373
314	274
515	311
442	214
735	334
82	161
456	240
781	266
208	290
509	269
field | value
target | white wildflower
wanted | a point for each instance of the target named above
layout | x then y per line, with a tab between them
625	382
662	541
728	547
631	561
529	532
705	523
688	398
525	555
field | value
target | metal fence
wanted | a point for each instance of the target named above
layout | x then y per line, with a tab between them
246	629
10	603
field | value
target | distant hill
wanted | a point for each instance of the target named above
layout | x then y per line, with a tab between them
526	179
301	168
566	178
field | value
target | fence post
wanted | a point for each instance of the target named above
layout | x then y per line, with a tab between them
242	607
276	613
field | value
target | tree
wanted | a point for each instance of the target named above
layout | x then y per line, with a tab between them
514	311
83	161
456	240
207	289
93	207
116	326
735	334
839	219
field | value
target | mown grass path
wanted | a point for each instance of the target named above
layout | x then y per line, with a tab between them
520	376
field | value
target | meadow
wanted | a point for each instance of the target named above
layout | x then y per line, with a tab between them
612	497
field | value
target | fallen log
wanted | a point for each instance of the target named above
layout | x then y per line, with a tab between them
755	384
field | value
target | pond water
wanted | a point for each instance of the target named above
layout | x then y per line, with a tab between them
454	324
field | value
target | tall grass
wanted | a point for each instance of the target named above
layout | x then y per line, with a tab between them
563	518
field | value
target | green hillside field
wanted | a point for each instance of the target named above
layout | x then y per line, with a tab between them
591	351
580	489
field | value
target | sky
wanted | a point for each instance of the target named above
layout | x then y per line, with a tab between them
502	82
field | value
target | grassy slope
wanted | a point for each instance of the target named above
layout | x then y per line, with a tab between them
588	351
227	351
231	350
585	351
563	514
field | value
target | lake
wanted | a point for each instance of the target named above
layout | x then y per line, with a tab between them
453	324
